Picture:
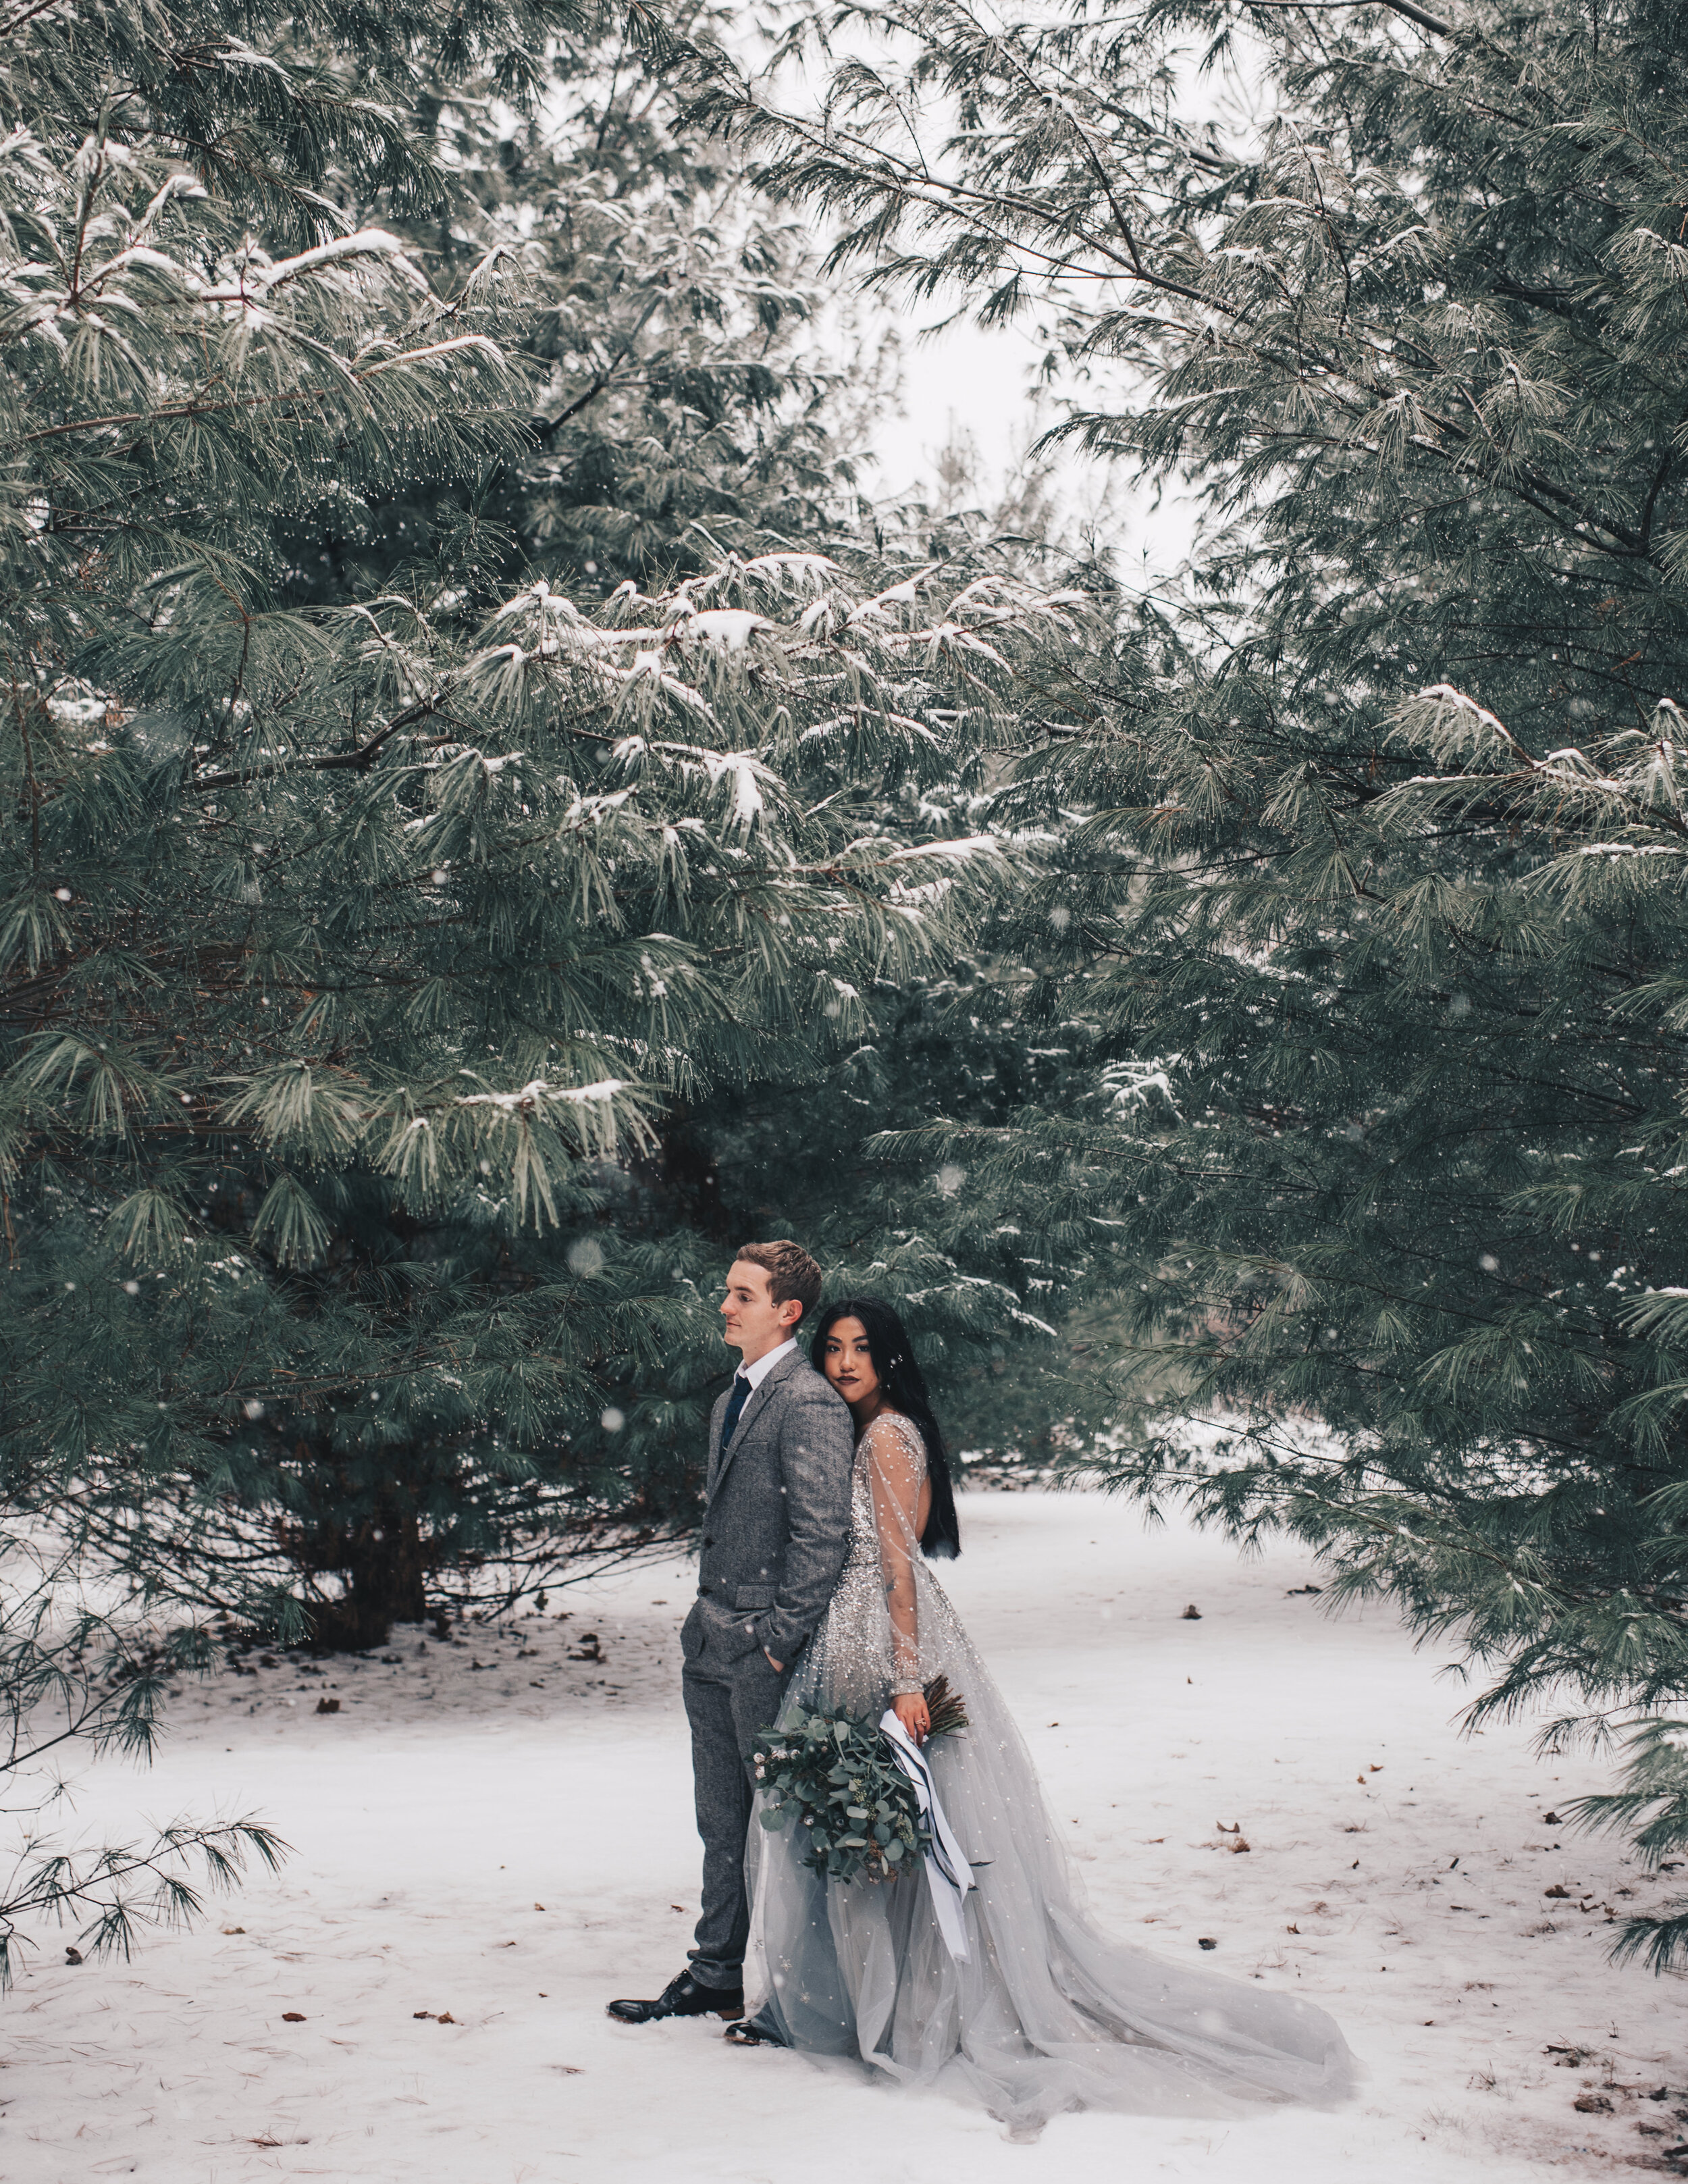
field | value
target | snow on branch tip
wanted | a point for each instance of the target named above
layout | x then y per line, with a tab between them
539	1093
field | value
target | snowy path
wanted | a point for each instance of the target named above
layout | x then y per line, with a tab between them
435	1813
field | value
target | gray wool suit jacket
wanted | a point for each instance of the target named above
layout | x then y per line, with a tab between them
777	1519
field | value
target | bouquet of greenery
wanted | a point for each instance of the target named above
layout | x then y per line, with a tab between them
837	1776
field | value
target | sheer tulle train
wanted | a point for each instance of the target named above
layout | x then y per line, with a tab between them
1049	2013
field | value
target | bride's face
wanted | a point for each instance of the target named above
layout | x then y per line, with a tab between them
848	1364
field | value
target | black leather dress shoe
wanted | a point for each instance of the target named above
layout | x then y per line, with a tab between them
682	1997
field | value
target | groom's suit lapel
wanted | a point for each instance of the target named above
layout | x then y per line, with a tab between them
759	1399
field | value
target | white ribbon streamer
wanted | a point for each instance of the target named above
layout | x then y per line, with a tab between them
948	1874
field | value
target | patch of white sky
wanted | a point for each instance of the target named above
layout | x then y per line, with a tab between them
984	394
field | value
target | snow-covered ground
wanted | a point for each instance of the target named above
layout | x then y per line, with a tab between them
498	1832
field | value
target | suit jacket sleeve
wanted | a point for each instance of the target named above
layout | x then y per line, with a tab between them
716	1419
816	1452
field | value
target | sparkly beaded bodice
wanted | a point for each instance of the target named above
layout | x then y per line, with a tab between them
852	1660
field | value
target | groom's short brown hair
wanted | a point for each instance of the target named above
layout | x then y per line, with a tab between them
790	1271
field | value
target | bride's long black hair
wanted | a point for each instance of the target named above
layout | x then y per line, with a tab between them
905	1387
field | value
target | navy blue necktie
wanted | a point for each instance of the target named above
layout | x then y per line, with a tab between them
735	1409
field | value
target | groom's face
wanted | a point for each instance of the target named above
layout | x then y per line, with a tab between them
750	1319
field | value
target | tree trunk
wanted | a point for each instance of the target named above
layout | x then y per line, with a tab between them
680	1172
381	1562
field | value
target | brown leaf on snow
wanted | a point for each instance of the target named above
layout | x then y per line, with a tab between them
292	2017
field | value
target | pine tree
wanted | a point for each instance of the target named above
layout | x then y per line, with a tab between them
349	949
166	376
1375	900
676	410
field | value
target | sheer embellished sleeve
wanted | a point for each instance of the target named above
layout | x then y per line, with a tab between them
896	1465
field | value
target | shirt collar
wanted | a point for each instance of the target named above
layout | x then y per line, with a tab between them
756	1373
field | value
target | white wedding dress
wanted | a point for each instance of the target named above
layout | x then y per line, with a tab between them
1048	2014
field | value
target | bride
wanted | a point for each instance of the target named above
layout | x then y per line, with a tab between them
1041	2012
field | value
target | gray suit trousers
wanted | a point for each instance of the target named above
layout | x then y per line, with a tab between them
730	1693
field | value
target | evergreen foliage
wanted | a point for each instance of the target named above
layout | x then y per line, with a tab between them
190	329
1376	897
350	948
981	1267
73	1675
695	389
679	401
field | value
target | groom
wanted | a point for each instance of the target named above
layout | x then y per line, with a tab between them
775	1533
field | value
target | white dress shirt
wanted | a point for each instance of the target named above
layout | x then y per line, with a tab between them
756	1373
